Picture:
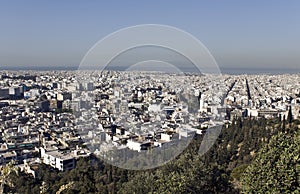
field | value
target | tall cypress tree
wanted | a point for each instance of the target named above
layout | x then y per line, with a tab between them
290	116
283	123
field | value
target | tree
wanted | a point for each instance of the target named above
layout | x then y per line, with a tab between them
290	116
275	168
5	178
283	123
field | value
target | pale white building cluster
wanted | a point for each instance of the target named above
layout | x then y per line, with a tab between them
56	117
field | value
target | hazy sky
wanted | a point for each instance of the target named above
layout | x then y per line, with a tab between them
252	34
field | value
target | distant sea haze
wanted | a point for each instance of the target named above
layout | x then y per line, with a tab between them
224	70
238	71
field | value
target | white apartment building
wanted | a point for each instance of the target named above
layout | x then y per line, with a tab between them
62	160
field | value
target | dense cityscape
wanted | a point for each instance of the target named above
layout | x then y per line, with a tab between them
52	117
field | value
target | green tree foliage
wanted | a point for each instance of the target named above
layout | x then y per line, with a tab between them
186	174
6	174
276	167
238	144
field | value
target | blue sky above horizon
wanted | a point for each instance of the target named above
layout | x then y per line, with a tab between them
239	34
